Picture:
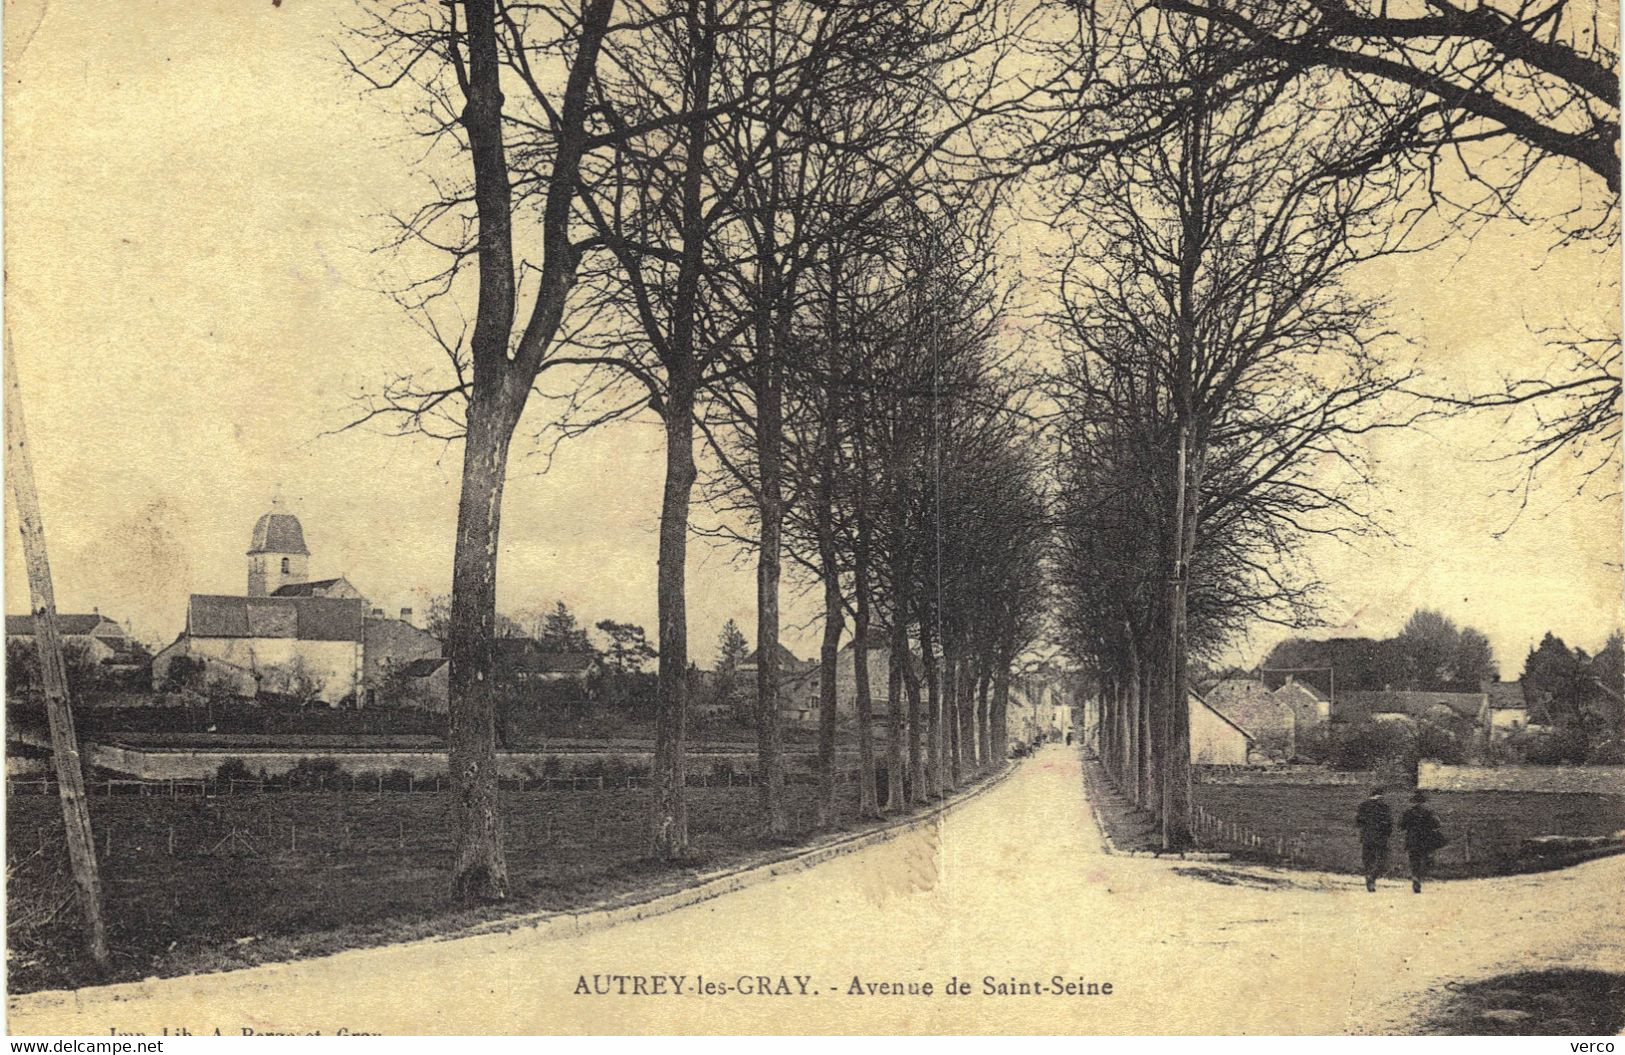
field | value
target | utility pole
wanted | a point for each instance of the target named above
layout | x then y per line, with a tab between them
70	775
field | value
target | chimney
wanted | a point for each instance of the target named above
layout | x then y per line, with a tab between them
406	616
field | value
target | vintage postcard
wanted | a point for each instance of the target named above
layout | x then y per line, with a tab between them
1085	517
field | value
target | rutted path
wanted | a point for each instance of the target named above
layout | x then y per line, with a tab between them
1013	884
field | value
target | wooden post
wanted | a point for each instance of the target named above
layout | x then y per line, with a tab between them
70	773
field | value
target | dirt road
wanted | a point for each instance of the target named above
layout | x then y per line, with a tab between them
1012	888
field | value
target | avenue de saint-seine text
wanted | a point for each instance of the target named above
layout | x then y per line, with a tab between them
803	985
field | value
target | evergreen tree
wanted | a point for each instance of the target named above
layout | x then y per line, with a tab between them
732	648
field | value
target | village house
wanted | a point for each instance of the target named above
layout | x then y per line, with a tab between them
1038	709
422	684
1215	739
523	661
799	688
393	651
1389	705
1509	710
102	638
1310	709
1269	720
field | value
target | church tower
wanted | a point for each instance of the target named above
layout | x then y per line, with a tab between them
276	555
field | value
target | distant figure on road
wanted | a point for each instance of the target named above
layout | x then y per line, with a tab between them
1376	823
1069	738
1423	835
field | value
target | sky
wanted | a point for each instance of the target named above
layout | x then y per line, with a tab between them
194	193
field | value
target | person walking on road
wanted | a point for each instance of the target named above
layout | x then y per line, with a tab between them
1376	823
1423	836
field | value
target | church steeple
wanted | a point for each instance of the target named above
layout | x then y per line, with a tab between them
276	554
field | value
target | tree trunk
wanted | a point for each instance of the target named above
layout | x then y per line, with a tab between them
950	710
918	749
969	750
896	758
668	819
984	724
933	710
1176	786
828	658
1134	755
868	799
1150	787
1001	711
769	454
479	869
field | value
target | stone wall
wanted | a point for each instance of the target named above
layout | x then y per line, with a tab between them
198	763
1320	775
1596	780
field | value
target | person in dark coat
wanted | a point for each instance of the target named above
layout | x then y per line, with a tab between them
1376	823
1423	836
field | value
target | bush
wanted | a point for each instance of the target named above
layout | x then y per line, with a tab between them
185	673
1313	744
1607	753
399	780
233	769
315	773
1372	745
1439	744
1553	748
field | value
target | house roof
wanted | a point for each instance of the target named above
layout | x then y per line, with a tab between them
422	668
304	589
1415	704
787	659
1234	688
304	618
1195	697
76	624
1253	712
1303	688
522	655
278	533
1506	695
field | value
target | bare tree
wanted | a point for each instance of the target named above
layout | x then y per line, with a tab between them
1209	314
458	58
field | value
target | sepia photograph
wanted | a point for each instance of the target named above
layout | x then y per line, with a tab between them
813	517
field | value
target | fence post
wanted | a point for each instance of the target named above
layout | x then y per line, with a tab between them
172	840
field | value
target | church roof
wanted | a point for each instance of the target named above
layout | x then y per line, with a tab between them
305	589
278	533
304	618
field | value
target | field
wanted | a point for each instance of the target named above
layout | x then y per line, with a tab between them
209	883
1486	828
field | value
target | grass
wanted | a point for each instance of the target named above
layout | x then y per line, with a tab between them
1486	828
312	873
1563	1003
